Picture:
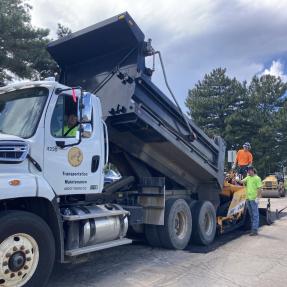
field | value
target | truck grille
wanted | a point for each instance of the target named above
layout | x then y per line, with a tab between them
13	151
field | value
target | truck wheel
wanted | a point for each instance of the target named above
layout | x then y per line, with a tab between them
176	231
27	250
152	236
204	223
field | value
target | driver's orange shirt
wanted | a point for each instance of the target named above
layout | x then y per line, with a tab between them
244	157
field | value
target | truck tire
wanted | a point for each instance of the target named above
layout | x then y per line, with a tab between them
152	236
203	222
176	231
27	250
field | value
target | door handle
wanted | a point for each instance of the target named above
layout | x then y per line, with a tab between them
106	142
95	163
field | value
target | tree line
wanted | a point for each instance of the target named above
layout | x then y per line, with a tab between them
23	47
254	112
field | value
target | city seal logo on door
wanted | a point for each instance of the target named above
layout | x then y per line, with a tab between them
75	156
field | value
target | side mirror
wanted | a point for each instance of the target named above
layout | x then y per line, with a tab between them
86	130
86	107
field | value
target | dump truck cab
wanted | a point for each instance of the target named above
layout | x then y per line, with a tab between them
35	122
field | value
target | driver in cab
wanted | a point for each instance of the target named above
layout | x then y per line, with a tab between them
70	127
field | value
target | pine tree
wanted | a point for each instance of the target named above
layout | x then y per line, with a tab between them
238	112
214	100
267	111
22	47
63	31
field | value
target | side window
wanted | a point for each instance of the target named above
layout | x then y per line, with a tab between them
64	121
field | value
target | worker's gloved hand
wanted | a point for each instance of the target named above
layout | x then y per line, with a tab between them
234	166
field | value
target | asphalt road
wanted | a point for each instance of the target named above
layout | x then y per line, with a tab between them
235	259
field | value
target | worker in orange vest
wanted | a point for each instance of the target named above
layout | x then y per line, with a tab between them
244	158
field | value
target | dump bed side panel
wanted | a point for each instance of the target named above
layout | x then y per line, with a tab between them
109	59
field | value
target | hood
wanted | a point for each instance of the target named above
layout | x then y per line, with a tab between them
5	137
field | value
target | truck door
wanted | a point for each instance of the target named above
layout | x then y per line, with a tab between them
76	169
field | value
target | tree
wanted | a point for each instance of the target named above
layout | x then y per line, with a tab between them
267	111
63	31
48	67
238	112
214	100
281	135
22	47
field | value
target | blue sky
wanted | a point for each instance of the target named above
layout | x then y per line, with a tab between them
194	36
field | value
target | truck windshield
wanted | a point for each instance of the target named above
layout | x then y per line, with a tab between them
20	111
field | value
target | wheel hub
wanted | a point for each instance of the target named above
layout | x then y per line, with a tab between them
17	261
19	257
208	224
180	225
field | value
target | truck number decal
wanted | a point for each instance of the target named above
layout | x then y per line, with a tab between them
52	148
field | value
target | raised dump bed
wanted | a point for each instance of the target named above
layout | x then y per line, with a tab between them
147	132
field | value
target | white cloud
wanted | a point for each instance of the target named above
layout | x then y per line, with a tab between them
276	69
194	36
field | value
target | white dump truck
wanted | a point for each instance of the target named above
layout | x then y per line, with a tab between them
57	137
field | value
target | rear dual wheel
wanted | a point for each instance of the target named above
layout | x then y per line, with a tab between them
175	233
204	223
183	222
